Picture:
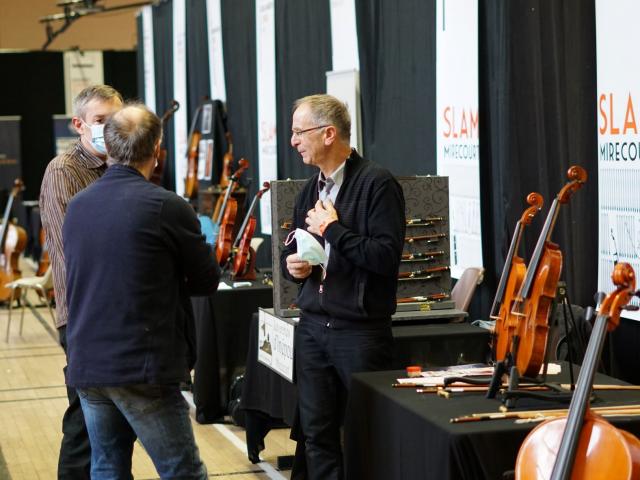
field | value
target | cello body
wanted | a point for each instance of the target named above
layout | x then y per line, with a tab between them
225	236
583	445
620	460
191	182
15	243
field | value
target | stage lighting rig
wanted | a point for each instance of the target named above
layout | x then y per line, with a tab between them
72	10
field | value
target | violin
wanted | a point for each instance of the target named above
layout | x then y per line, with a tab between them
158	172
511	279
13	241
242	243
533	302
228	217
191	180
583	444
227	161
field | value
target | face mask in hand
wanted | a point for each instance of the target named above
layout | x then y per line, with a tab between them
97	138
309	248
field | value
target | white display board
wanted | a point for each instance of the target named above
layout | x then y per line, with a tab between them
148	59
180	93
266	81
458	151
275	343
345	85
216	58
618	111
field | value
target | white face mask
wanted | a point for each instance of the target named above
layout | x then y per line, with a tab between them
97	137
309	248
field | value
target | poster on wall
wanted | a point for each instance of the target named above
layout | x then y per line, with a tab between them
266	81
81	70
458	149
618	140
10	167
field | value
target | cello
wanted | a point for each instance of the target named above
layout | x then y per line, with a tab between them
590	447
513	273
13	240
533	302
242	245
191	180
158	171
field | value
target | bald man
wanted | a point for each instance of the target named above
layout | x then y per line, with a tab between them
134	254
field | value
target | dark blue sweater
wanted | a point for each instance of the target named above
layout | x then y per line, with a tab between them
359	290
134	254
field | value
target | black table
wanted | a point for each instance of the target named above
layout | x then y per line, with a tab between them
268	398
400	434
222	332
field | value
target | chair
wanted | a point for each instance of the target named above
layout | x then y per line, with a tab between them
465	287
39	284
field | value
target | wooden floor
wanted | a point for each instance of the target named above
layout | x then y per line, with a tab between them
33	400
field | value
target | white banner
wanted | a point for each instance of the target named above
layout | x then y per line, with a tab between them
216	58
81	70
275	343
180	93
618	140
266	80
457	126
148	59
344	35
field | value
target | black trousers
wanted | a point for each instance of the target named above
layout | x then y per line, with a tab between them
325	359
74	461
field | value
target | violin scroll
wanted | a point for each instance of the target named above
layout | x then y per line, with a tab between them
577	176
536	201
624	279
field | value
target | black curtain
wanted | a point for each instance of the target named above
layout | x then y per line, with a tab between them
198	85
303	53
140	58
33	87
163	66
398	84
121	72
537	62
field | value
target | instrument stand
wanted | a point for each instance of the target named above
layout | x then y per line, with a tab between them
557	394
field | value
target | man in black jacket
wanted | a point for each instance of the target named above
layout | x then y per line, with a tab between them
134	254
356	210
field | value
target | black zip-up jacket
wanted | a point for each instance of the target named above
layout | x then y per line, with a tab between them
134	254
359	290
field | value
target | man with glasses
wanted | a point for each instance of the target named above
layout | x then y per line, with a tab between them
356	210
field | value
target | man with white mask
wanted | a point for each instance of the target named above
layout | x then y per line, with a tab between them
65	176
356	210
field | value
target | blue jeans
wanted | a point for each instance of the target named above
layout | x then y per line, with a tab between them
157	414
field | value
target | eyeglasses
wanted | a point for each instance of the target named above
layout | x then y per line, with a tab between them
298	133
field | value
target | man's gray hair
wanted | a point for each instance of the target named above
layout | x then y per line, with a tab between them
328	110
131	135
105	93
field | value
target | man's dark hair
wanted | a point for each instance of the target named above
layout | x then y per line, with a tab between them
132	134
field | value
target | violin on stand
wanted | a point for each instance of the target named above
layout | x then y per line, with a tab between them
513	274
244	257
227	216
191	180
532	305
158	172
583	445
13	241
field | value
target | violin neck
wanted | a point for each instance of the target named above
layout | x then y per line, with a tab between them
254	202
513	248
579	402
545	235
5	221
227	194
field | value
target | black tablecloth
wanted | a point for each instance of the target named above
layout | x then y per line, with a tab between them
222	332
400	434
